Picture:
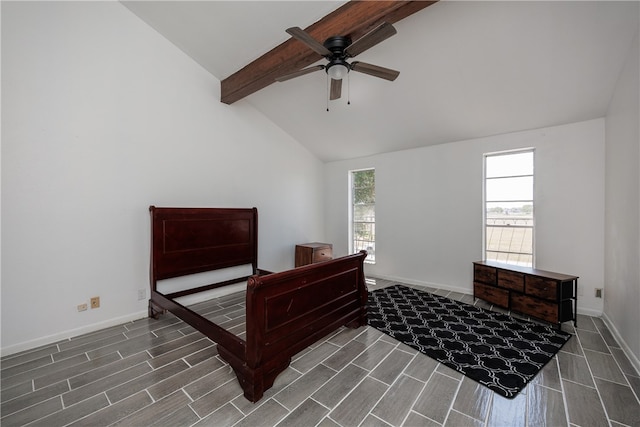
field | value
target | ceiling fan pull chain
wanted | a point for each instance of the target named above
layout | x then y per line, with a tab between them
348	89
328	82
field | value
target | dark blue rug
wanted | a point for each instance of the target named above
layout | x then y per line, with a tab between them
494	349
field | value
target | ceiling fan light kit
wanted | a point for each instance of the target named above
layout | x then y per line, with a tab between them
337	70
337	50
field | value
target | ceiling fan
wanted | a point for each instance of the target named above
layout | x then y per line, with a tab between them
338	50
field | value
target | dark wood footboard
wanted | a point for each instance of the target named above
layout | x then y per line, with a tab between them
288	311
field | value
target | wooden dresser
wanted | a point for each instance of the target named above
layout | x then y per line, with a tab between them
541	294
310	253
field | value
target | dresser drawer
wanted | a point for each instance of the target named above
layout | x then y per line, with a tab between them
535	307
492	294
484	274
511	280
541	287
322	254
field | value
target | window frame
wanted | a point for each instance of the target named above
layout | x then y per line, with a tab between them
485	203
371	258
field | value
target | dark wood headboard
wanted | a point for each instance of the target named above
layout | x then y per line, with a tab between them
194	240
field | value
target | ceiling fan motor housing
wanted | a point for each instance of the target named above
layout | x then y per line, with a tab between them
337	45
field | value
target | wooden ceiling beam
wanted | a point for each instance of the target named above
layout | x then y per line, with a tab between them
354	19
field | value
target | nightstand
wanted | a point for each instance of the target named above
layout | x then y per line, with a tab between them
310	253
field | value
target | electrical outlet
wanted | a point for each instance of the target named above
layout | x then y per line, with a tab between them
598	292
82	307
95	302
142	294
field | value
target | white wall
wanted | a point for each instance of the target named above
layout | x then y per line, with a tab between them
622	218
429	207
102	117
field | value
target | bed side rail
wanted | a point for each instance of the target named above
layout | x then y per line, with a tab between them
214	332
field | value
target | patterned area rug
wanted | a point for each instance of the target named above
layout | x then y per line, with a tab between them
494	349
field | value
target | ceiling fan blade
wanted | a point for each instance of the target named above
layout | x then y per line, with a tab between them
300	34
336	89
375	70
372	38
299	73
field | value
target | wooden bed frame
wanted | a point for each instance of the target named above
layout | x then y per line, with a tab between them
285	312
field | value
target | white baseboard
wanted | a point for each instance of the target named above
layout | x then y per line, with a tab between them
423	283
635	361
50	339
589	312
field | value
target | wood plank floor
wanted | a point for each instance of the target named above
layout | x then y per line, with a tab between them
164	373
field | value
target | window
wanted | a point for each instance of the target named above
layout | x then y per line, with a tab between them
508	214
363	212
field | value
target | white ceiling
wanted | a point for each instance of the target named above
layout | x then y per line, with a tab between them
467	69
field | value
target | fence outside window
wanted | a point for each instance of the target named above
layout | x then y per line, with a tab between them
509	207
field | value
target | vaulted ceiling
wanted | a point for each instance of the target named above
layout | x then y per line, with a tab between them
467	69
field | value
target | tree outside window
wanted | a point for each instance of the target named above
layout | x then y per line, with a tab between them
363	201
